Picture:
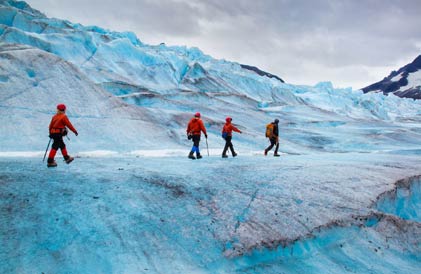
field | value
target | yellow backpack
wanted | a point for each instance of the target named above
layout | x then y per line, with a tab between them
269	130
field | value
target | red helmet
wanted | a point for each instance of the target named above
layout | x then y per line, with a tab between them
228	119
61	107
197	114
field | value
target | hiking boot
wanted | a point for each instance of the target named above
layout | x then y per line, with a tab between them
266	152
198	156
234	154
52	164
224	156
69	159
191	156
276	155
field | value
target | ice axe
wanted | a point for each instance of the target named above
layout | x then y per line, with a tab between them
46	150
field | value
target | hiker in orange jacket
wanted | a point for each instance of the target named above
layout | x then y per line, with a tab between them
273	136
58	129
194	131
227	135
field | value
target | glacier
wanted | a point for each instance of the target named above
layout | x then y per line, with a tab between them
142	214
343	197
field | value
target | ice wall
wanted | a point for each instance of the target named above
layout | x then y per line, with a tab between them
404	200
34	82
167	84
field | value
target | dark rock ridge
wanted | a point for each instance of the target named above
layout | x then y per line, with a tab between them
400	87
261	72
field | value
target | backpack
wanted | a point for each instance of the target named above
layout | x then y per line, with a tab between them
269	130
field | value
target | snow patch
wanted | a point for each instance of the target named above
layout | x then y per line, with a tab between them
97	154
396	78
21	154
414	80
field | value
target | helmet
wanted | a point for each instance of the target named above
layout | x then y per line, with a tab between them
197	114
61	107
228	119
276	121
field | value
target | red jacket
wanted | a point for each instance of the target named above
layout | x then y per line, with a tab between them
196	126
229	128
59	122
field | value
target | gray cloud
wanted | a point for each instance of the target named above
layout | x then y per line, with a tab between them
351	43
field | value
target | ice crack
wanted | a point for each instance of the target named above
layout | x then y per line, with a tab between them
242	217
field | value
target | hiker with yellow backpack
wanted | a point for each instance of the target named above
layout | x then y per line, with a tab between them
272	133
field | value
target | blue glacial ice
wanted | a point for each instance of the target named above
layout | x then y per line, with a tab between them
342	198
404	200
171	215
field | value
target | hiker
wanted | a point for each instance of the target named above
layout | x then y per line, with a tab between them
227	135
272	133
58	128
194	131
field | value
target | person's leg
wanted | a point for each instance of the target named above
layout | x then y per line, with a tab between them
276	150
272	143
231	147
227	142
195	147
224	152
196	141
53	151
192	151
68	159
63	149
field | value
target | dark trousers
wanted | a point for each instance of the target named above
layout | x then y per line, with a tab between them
228	144
272	143
195	147
58	143
196	140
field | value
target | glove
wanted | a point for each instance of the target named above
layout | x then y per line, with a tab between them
189	136
76	133
206	136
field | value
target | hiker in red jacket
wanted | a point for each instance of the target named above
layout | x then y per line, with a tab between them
194	131
58	128
227	135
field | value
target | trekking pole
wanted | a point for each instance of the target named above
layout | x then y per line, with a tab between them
207	147
46	150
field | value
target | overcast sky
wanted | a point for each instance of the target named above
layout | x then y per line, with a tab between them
348	42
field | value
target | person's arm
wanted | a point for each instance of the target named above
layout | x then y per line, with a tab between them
69	125
51	125
235	129
202	127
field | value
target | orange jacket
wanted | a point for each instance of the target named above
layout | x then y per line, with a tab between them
59	122
229	128
196	126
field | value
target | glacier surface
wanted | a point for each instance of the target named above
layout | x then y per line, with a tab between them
344	196
170	215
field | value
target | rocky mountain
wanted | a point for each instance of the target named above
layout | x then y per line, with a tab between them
406	82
